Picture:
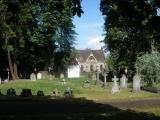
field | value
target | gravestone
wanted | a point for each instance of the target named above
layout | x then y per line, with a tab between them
55	93
39	76
33	77
11	92
123	81
0	80
86	84
63	81
68	92
61	75
97	77
6	81
136	82
26	92
44	74
115	87
40	93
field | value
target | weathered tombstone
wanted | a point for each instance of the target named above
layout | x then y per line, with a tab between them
0	80
51	77
26	92
123	81
40	93
68	92
63	81
39	76
97	77
11	92
136	82
61	75
55	93
33	77
44	74
6	81
115	87
93	76
105	80
86	84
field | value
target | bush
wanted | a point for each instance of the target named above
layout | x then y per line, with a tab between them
148	65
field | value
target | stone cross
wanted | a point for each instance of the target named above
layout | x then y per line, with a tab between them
115	87
136	82
123	81
105	81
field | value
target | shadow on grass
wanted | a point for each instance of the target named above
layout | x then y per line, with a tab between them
45	108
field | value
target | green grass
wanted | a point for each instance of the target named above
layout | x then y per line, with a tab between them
92	93
82	107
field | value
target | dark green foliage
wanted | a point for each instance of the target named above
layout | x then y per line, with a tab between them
148	66
131	28
38	33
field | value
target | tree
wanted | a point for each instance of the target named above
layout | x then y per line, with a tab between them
34	33
132	26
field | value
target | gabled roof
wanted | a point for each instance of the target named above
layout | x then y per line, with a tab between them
84	54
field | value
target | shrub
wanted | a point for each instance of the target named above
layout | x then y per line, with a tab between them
148	65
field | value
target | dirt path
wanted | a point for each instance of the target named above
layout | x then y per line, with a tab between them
127	104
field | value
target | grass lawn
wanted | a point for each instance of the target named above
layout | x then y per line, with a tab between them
91	93
83	106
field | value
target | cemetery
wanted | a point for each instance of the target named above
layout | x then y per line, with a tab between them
66	59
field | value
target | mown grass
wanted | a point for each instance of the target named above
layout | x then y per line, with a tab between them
83	106
93	92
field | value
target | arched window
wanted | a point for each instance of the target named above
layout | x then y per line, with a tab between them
82	68
101	67
91	68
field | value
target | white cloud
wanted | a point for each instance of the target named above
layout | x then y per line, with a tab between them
95	42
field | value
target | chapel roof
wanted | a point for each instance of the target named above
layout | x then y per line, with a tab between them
84	54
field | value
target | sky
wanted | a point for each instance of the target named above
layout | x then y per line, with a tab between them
89	27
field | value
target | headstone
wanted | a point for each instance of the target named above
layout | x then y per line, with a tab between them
61	75
6	81
68	92
51	77
55	93
115	87
63	81
26	92
105	80
33	77
44	74
93	76
97	77
40	93
0	80
11	92
39	76
86	84
136	82
123	81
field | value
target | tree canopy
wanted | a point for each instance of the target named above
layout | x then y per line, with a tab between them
131	29
37	33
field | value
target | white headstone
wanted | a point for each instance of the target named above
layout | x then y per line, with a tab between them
39	76
115	87
61	75
33	77
123	81
63	81
6	81
0	80
136	82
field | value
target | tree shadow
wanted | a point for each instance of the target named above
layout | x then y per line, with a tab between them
45	108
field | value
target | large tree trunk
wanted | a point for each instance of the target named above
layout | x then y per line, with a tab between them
15	69
10	66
